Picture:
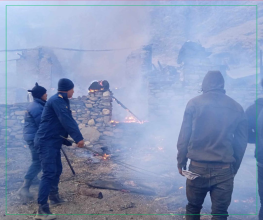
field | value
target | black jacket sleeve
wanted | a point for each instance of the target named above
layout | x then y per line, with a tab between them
251	117
240	141
65	117
184	136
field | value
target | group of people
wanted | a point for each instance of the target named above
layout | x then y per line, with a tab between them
214	135
46	123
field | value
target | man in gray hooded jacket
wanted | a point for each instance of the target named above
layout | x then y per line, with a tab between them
214	137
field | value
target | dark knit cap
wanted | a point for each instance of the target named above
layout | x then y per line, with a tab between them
213	80
65	85
38	91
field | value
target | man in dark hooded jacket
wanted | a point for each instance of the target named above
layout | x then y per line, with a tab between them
32	121
252	113
56	122
255	117
214	137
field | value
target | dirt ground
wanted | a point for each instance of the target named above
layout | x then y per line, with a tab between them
168	203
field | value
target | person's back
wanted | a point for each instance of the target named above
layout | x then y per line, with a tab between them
214	136
214	123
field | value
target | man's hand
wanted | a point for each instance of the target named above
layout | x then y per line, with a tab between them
81	144
180	170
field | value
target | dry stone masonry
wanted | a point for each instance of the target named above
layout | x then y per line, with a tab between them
93	115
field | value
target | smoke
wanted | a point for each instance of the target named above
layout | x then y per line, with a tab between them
231	29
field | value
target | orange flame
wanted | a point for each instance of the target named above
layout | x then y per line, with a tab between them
96	90
105	156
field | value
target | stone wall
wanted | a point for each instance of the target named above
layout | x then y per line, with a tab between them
167	96
92	113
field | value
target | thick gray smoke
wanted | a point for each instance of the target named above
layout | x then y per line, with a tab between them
220	29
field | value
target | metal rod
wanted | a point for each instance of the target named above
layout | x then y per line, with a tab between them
68	160
123	106
131	167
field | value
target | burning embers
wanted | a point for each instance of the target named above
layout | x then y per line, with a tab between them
128	119
105	156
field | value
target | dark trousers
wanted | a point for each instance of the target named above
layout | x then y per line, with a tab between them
50	158
35	166
219	182
260	190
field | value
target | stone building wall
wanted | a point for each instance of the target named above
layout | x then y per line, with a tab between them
92	113
167	96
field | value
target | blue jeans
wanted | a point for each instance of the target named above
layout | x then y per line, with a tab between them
219	182
35	166
50	158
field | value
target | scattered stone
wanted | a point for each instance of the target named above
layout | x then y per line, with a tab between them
106	111
107	93
91	122
90	134
88	105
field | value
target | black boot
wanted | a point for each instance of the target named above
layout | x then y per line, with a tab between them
44	213
24	190
56	200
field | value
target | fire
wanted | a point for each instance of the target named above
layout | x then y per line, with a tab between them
105	156
114	122
131	119
96	90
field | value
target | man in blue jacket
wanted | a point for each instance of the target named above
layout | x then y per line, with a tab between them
56	121
32	121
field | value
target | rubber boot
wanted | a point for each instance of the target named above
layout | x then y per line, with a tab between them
44	213
24	190
56	200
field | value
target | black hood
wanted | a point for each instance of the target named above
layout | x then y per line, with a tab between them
213	80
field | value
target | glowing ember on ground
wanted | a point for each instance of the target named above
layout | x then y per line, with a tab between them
105	156
114	122
130	119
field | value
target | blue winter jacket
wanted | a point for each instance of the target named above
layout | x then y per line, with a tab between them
57	121
32	118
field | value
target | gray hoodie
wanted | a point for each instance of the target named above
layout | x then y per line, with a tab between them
214	128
